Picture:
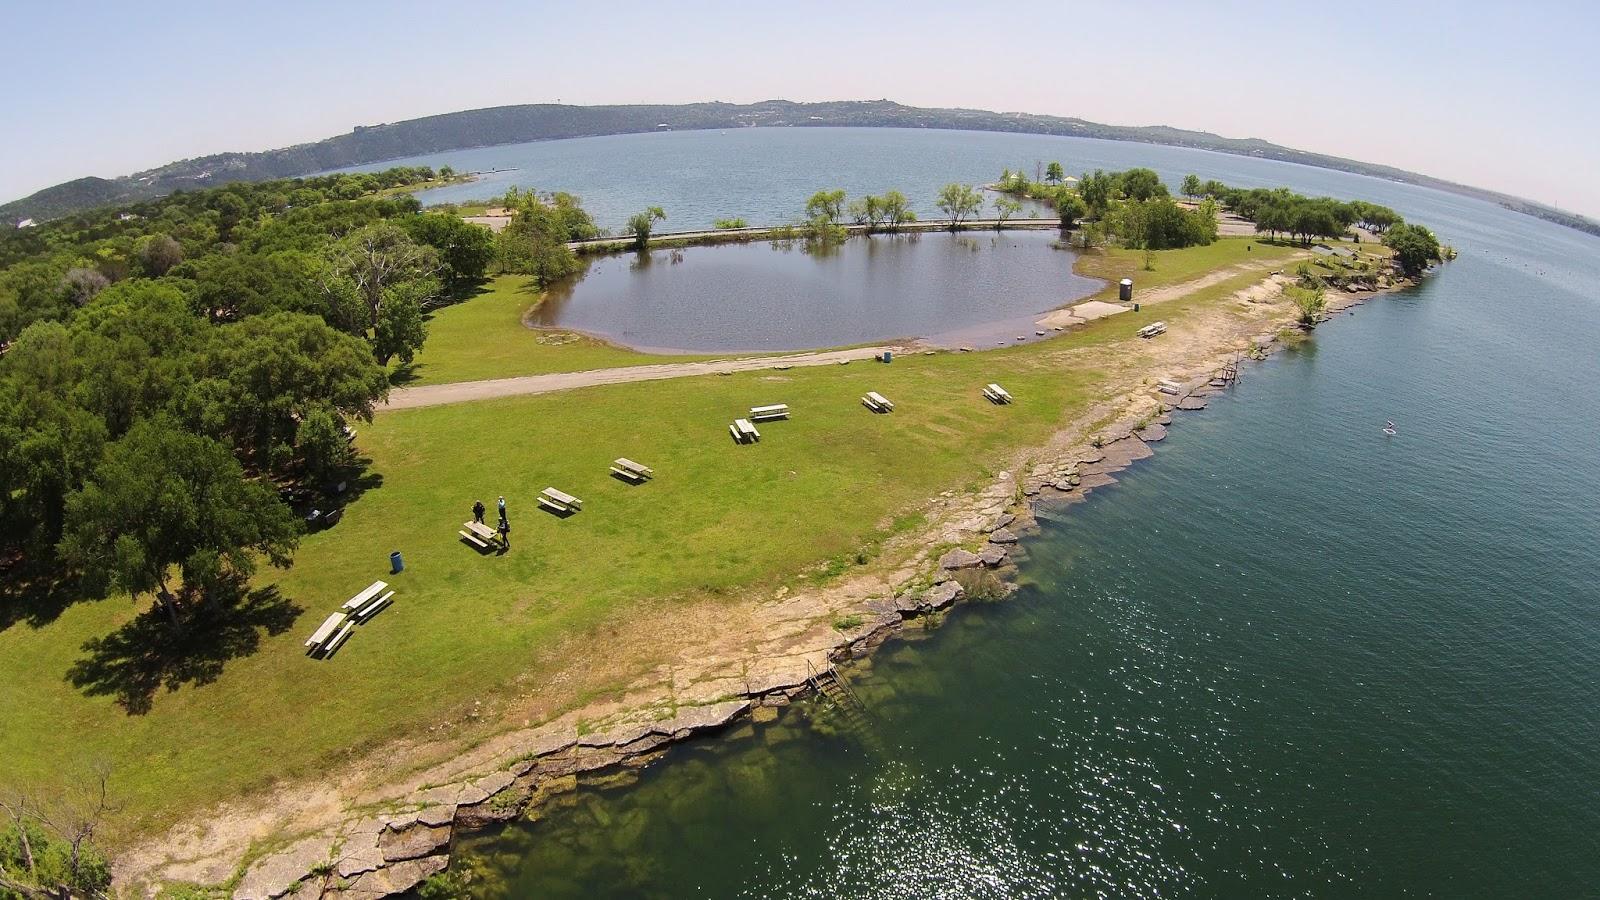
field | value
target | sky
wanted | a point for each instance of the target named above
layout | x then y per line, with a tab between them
1502	96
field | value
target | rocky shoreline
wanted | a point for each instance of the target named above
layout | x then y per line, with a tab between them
391	850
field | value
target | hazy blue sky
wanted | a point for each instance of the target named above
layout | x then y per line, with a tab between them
1502	96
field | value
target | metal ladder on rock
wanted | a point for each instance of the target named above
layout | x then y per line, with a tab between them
852	713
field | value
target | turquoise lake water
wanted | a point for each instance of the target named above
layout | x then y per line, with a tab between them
1287	657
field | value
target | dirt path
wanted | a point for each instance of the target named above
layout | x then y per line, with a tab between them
464	391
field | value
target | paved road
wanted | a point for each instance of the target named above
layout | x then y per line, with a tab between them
464	391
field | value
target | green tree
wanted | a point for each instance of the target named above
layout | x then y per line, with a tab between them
959	202
1070	208
867	211
163	499
321	445
1141	184
254	380
1191	185
640	223
446	172
896	209
1096	189
1311	301
379	256
826	204
1415	247
465	250
534	242
1053	173
729	224
157	254
1005	208
401	330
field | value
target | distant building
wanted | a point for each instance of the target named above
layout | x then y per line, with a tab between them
26	223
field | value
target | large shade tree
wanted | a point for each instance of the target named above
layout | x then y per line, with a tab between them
168	513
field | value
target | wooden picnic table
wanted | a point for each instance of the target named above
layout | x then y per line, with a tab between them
361	599
481	530
997	393
623	462
631	470
560	501
325	630
877	402
775	411
744	431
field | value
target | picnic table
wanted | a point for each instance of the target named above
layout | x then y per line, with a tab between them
319	638
744	432
360	600
1153	329
877	402
478	534
996	393
560	501
631	470
768	413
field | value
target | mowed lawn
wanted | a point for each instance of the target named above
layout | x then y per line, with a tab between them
718	521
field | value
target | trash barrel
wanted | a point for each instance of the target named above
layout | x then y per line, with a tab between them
888	356
1136	307
396	563
1125	290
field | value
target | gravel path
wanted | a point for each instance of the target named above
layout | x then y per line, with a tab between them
466	391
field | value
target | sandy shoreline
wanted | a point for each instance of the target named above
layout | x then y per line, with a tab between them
388	832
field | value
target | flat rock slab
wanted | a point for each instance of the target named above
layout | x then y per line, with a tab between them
711	715
276	875
1153	432
1192	403
396	879
1164	419
992	555
1001	521
1002	536
942	594
1090	482
960	559
413	842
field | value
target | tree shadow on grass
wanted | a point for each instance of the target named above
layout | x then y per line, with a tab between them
150	652
36	591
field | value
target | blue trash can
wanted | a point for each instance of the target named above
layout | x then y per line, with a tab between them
888	356
396	563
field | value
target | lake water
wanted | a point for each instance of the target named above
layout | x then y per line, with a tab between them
1287	657
976	288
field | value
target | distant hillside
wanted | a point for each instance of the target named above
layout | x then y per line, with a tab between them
517	124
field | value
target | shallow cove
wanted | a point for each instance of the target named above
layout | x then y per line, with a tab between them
951	289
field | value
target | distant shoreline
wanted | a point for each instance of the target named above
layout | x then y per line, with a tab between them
502	126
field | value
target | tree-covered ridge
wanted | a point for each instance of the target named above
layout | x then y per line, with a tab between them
535	122
179	379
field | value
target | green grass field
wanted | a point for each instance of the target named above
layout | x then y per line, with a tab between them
718	521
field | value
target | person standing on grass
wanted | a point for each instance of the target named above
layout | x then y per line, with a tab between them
502	507
505	531
477	511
